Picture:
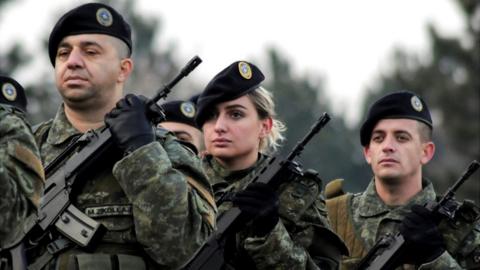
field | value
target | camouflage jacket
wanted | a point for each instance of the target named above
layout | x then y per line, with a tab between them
372	218
298	241
154	201
21	174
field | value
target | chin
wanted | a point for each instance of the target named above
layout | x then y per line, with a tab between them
222	153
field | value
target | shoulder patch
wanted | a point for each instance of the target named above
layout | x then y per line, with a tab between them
27	157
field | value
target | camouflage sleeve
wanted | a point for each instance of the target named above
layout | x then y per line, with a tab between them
445	261
21	173
468	255
462	235
277	250
303	240
171	198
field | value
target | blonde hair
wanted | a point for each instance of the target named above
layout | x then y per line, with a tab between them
263	101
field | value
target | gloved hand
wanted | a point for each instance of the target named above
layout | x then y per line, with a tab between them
129	124
258	202
423	240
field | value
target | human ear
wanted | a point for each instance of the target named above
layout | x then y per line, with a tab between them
266	127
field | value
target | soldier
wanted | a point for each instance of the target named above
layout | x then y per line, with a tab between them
397	141
21	171
155	202
288	229
179	119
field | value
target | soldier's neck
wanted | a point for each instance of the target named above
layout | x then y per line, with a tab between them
394	193
84	120
239	162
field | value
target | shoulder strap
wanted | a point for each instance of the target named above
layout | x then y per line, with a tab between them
342	223
207	196
334	188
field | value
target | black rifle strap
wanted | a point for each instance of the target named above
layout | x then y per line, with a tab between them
55	247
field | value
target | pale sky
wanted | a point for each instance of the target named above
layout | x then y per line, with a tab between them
346	42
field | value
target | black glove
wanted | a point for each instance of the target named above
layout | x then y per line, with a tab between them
129	124
259	203
423	240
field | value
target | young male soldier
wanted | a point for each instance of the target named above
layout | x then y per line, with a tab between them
21	171
155	202
397	141
179	119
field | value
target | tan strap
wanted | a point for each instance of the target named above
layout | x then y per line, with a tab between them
32	162
342	223
334	188
27	157
207	196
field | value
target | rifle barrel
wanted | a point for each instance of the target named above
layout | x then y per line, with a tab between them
316	127
191	65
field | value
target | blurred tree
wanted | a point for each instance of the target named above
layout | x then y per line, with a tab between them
15	56
300	101
450	83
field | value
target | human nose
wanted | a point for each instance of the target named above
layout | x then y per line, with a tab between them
388	144
220	124
74	59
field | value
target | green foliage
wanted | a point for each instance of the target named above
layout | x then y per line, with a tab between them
300	101
450	84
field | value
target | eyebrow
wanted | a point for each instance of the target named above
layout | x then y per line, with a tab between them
235	106
380	131
82	44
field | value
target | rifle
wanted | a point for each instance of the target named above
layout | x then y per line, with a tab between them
74	165
388	251
211	255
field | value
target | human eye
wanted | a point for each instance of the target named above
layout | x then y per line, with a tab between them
236	114
63	52
91	51
402	138
377	138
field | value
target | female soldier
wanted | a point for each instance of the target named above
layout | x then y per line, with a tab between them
286	230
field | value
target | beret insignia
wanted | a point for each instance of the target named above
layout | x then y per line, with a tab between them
188	109
104	17
416	104
9	91
245	70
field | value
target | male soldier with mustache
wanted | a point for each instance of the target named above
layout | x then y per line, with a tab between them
155	201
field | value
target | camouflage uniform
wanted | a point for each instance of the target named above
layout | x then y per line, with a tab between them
21	174
372	218
296	242
144	201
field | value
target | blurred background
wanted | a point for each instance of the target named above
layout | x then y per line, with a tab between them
317	57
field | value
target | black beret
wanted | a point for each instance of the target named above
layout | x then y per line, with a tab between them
403	104
234	81
12	93
179	111
91	18
194	98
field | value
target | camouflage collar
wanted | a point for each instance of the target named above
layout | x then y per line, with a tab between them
223	174
371	205
61	129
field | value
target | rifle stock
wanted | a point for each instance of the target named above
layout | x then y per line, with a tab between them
210	256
